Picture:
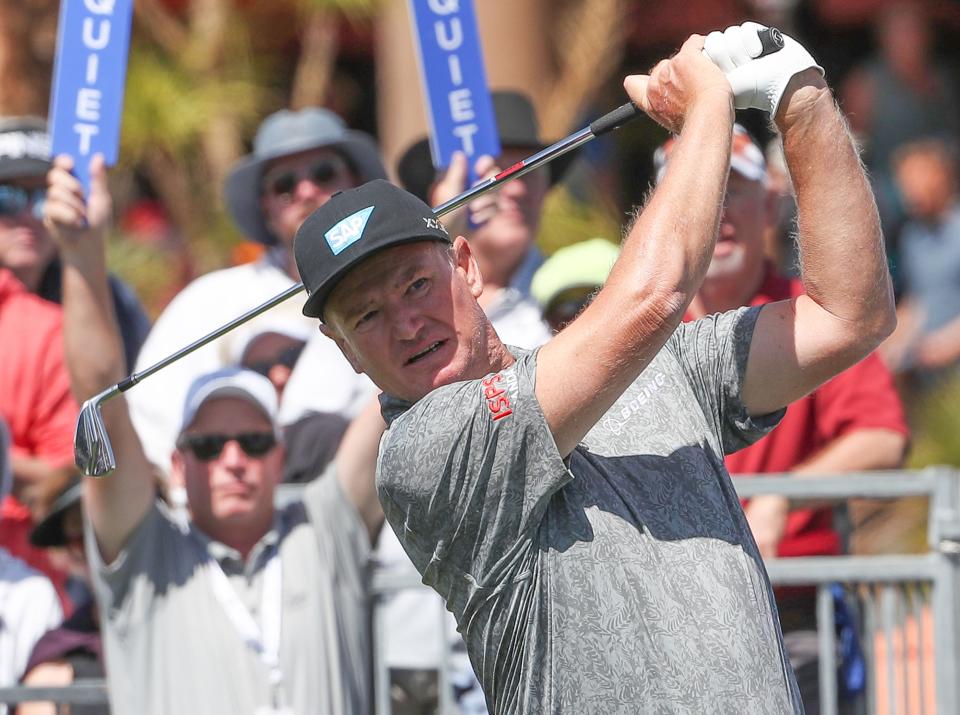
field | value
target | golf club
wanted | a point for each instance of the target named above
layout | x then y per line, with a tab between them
93	452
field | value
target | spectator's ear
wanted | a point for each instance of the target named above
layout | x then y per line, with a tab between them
177	470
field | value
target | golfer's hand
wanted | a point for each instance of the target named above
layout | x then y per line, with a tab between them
453	181
758	82
74	223
677	85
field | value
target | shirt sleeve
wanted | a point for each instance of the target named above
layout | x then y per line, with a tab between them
155	550
860	397
467	473
713	354
340	531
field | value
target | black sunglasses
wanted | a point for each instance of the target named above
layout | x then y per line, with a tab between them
320	172
14	200
287	357
206	447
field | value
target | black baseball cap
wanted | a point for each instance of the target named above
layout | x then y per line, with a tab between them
24	148
517	127
352	226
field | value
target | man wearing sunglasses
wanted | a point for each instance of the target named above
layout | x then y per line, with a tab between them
299	159
245	608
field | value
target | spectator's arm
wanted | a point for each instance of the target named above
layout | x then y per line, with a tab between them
356	461
940	348
117	503
767	516
857	451
898	349
46	675
37	483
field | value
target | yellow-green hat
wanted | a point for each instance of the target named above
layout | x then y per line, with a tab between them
586	264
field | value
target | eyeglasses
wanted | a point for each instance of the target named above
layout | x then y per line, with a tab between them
207	447
14	200
287	357
283	183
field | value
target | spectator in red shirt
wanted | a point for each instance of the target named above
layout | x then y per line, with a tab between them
852	423
36	403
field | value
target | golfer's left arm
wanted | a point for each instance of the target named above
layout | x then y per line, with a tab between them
848	308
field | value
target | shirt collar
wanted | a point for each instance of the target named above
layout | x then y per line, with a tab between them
229	558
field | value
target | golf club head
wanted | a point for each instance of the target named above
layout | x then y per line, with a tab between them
92	450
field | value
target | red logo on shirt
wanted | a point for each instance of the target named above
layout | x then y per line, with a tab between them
497	399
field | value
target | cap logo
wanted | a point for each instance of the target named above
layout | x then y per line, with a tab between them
348	231
30	144
434	224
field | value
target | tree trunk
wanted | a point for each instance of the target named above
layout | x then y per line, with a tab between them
27	39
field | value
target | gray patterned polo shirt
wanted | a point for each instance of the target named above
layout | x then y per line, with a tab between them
622	580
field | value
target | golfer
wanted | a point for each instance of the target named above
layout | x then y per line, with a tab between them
571	504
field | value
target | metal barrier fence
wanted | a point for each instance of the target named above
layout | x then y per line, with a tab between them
905	602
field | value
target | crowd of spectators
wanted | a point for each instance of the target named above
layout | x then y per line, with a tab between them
171	590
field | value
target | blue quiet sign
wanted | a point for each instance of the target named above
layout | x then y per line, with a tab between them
86	103
451	64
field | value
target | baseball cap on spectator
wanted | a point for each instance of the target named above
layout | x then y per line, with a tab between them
518	128
289	326
746	157
231	382
564	283
285	133
352	226
24	148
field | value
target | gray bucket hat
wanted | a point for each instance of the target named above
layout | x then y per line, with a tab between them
290	132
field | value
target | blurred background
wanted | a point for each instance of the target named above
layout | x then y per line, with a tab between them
203	73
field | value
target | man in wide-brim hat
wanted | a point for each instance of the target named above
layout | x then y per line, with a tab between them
299	159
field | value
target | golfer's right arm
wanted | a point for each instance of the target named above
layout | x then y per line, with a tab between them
582	371
117	503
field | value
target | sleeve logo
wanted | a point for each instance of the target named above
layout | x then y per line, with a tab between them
496	396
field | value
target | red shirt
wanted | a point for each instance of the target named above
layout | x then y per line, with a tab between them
861	397
35	402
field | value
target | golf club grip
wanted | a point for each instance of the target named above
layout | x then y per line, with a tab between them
614	119
771	40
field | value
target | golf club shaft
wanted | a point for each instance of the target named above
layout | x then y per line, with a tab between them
607	122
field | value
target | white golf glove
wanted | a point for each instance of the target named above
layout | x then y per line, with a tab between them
757	82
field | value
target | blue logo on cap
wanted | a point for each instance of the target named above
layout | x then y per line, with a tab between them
348	231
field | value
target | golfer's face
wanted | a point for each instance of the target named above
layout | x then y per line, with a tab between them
408	318
230	486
